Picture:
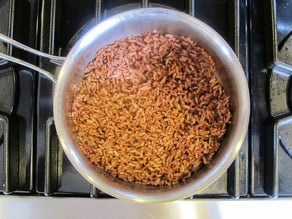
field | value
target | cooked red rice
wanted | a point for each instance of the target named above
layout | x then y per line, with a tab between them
150	109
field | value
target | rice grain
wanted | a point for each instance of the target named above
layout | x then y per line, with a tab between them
150	109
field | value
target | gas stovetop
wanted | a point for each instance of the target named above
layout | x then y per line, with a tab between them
32	162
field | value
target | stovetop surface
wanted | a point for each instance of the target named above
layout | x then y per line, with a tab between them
31	159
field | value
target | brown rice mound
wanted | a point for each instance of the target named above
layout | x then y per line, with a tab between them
150	110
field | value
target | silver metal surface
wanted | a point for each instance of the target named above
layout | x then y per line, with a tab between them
135	22
8	40
58	60
14	207
28	65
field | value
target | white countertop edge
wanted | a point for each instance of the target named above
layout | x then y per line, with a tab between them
31	207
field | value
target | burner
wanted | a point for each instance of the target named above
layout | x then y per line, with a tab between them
285	134
285	53
3	152
4	14
3	130
3	49
281	71
2	2
3	141
4	9
7	90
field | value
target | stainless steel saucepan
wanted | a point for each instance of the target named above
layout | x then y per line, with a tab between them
134	22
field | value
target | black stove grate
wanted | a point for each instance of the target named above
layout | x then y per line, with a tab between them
33	161
271	122
17	100
56	176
